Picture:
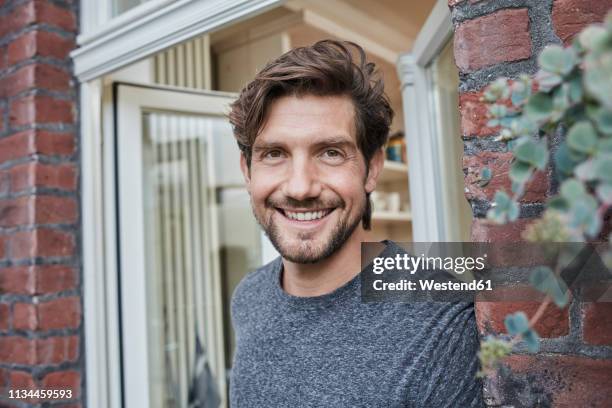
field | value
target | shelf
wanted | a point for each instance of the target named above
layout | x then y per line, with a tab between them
393	171
388	216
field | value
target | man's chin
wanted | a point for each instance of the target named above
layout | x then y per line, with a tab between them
305	252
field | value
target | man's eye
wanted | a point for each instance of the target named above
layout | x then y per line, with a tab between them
333	154
273	154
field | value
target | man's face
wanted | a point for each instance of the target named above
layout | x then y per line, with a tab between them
307	179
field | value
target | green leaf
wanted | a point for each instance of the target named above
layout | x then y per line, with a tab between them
605	145
603	167
485	176
602	118
594	38
604	192
575	89
521	90
582	137
498	110
532	152
544	280
557	203
516	323
540	276
564	163
540	107
558	291
499	89
572	190
597	78
520	171
556	59
585	171
547	80
503	208
532	340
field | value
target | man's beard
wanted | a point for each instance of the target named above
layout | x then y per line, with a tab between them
306	252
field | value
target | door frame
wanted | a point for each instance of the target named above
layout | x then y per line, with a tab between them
422	139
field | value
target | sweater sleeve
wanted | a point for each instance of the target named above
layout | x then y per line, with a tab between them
448	361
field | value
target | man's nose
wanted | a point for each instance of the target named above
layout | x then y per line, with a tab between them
302	180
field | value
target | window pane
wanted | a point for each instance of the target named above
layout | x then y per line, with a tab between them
194	255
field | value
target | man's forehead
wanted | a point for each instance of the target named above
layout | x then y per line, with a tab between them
312	116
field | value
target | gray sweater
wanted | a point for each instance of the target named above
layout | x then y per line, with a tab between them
336	351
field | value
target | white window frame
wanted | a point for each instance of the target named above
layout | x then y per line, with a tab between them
422	139
107	45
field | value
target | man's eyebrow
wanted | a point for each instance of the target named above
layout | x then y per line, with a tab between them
338	141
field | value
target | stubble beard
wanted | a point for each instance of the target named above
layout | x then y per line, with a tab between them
307	252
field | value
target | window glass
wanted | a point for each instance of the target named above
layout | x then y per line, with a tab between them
194	255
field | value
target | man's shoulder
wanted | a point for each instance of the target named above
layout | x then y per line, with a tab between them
256	282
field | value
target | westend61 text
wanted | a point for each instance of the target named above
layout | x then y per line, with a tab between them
429	285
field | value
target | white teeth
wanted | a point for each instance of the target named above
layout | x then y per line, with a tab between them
305	216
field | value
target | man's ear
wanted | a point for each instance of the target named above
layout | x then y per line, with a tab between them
376	165
246	172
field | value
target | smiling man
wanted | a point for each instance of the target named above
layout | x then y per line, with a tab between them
311	127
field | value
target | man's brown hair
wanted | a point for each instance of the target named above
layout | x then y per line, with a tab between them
326	68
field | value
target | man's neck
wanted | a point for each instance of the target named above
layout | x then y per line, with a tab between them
307	280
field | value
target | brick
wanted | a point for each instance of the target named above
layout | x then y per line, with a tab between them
41	242
597	323
473	114
17	211
39	43
37	11
39	76
55	278
57	350
490	317
485	231
34	141
569	17
60	313
4	380
17	280
499	163
3	123
49	13
40	209
17	350
69	379
4	316
555	381
21	380
5	181
41	109
20	17
3	58
488	40
37	279
55	210
3	244
35	174
25	316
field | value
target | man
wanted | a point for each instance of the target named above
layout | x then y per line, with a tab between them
311	127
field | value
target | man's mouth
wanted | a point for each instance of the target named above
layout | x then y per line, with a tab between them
305	215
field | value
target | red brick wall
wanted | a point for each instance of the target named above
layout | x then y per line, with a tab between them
503	38
40	292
